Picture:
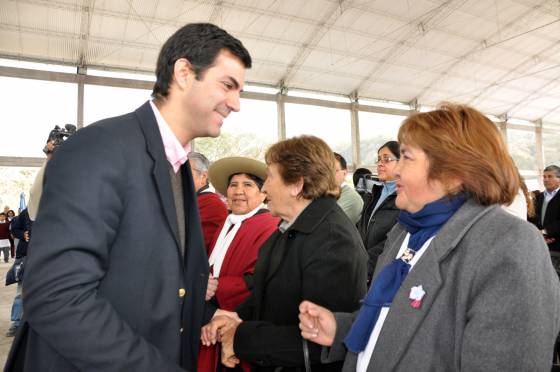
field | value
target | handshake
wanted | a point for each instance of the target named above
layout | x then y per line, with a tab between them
222	329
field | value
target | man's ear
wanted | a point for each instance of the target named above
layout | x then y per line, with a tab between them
182	72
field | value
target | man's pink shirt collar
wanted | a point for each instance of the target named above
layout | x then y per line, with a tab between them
176	154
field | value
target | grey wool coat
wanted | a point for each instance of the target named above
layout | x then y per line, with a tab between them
492	300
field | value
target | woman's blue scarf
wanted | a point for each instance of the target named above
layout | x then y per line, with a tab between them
421	225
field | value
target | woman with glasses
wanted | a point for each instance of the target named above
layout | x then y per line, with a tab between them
380	214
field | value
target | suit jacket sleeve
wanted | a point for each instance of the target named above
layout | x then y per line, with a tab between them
86	178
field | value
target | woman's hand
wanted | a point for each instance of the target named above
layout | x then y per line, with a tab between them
316	323
219	325
227	334
211	288
229	314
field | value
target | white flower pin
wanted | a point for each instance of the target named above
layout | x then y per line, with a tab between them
416	295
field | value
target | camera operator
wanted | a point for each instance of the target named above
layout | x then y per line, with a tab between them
56	137
21	226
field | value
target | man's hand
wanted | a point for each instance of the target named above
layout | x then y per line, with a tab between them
211	288
316	323
26	236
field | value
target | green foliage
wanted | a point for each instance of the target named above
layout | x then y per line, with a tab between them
551	146
228	144
13	181
522	148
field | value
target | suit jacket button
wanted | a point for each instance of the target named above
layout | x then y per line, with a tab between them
181	330
182	292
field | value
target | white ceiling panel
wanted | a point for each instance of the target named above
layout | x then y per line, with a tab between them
467	26
265	73
379	25
552	116
390	92
309	9
405	76
335	83
112	6
499	55
404	9
423	59
266	50
446	44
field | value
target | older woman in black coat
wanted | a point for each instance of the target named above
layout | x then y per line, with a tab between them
316	254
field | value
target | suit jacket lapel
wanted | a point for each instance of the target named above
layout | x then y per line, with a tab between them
551	207
403	320
538	209
160	171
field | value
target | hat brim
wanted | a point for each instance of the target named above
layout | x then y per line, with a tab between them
220	171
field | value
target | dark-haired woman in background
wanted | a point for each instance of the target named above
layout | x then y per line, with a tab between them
380	214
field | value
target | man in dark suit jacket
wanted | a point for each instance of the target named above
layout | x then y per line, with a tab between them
117	266
547	208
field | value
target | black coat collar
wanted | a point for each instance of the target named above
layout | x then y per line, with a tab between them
313	215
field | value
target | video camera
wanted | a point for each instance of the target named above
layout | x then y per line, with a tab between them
57	136
365	183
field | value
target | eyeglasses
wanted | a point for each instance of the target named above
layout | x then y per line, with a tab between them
386	159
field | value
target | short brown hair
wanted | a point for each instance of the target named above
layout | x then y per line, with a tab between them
462	144
308	157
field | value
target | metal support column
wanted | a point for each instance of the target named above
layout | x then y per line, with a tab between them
503	127
82	72
280	108
355	131
539	152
